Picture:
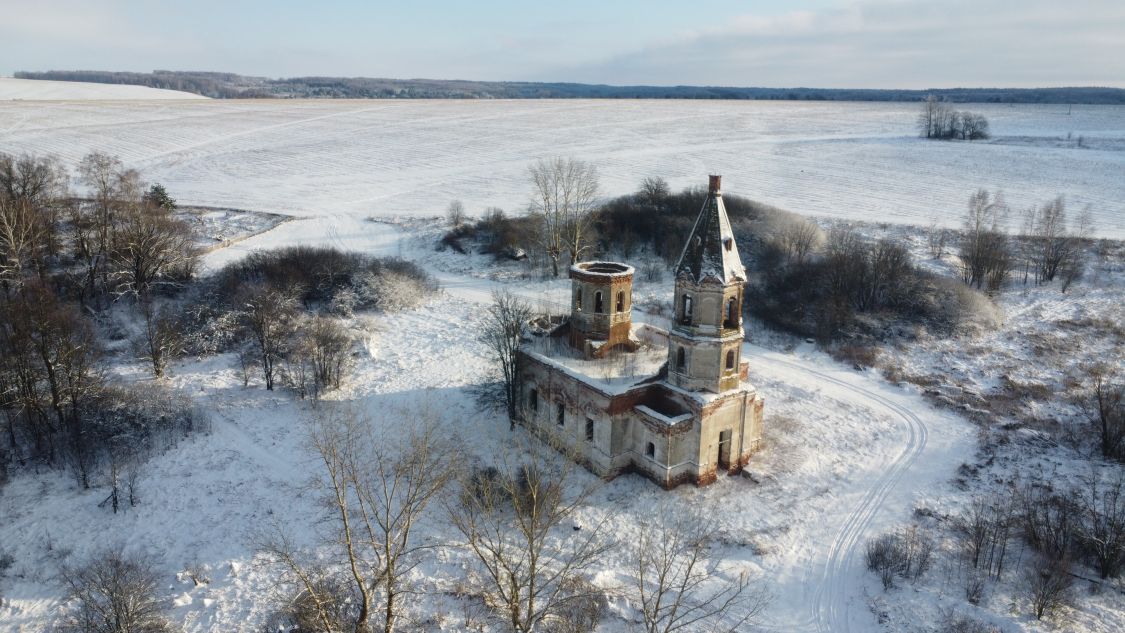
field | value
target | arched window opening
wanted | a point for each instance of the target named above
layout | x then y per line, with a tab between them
620	301
598	307
732	314
680	359
577	298
650	450
730	359
589	430
533	399
685	310
560	414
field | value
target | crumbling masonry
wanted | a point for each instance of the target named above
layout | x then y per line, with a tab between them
694	416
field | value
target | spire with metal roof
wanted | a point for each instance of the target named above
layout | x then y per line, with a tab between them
710	253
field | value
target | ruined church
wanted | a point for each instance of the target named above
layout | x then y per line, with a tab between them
670	404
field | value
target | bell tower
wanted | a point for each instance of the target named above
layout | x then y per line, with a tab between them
705	342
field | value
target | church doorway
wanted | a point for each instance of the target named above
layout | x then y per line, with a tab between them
724	450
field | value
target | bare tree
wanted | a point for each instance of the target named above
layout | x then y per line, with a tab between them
936	237
1102	535
565	192
325	345
510	518
22	239
798	237
502	331
984	254
675	581
455	214
1048	585
99	172
114	593
932	117
268	314
150	247
36	180
654	191
1105	407
163	339
378	484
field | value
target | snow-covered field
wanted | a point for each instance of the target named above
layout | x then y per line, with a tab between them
849	455
382	158
43	90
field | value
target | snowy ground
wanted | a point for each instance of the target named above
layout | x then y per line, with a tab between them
848	456
43	90
384	158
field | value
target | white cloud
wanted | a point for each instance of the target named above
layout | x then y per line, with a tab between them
881	43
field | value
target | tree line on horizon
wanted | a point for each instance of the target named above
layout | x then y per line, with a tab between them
221	85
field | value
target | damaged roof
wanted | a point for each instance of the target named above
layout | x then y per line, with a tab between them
710	252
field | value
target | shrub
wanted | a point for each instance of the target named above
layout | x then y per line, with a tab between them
113	593
907	553
1048	583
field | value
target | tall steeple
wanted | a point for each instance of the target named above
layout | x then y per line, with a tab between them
705	343
710	251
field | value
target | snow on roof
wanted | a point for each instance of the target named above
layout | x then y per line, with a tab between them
660	417
710	252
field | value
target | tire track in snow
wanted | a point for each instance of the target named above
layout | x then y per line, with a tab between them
831	602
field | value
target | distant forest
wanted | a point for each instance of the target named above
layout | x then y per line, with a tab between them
232	86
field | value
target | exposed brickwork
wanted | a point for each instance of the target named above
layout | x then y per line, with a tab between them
701	385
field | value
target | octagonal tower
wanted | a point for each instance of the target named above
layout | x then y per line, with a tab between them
601	307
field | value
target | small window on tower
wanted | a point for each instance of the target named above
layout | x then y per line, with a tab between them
731	319
620	300
589	430
598	307
578	299
650	450
685	310
560	414
730	359
533	399
680	360
728	243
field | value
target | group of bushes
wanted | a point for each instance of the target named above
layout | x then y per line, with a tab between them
1062	526
277	310
495	233
855	287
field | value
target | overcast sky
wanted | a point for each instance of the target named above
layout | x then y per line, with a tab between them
827	43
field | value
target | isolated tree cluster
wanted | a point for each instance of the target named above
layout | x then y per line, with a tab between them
281	311
939	120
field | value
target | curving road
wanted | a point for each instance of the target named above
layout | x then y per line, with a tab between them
830	608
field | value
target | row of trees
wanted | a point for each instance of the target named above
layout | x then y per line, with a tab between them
1049	245
939	120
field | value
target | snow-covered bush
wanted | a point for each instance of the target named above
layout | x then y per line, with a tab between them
325	279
